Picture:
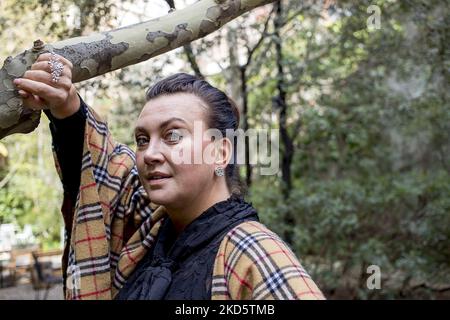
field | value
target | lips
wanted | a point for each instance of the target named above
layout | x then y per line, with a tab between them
157	177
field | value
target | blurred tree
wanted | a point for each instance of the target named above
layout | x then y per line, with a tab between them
30	190
370	169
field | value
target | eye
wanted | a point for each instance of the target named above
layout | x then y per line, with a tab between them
174	136
141	141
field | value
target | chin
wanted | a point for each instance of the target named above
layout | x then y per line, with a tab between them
161	197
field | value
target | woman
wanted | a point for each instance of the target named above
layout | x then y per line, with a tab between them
197	238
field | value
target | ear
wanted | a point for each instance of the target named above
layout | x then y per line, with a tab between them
223	152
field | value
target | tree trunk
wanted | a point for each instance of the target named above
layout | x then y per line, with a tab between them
281	104
100	53
288	146
244	93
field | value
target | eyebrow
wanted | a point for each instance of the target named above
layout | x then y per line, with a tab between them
162	125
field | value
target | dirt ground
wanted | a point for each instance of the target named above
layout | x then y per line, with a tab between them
26	292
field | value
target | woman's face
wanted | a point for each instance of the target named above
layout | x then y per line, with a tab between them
165	149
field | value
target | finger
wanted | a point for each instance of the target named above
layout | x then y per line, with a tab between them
34	102
47	56
44	66
40	89
24	94
43	76
39	75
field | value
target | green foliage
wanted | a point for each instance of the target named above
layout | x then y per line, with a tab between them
371	167
33	195
13	206
399	222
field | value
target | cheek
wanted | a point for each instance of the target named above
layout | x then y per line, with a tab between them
140	165
179	155
188	165
191	167
194	177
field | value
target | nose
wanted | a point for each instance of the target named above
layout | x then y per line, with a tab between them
153	154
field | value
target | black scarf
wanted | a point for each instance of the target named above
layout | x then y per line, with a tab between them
181	268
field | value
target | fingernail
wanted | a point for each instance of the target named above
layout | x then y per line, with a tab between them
16	81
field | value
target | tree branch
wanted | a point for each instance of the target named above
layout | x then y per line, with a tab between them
260	40
100	53
188	49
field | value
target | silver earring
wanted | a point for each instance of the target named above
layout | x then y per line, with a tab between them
219	172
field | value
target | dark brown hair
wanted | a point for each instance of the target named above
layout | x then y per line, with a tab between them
223	113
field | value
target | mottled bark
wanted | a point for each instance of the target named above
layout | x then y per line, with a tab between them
188	49
100	53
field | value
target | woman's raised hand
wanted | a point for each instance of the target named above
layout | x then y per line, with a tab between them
48	85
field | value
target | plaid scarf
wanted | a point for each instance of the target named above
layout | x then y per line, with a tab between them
113	221
180	266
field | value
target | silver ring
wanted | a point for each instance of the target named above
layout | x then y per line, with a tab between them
56	67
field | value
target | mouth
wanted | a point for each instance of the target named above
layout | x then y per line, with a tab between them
156	178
